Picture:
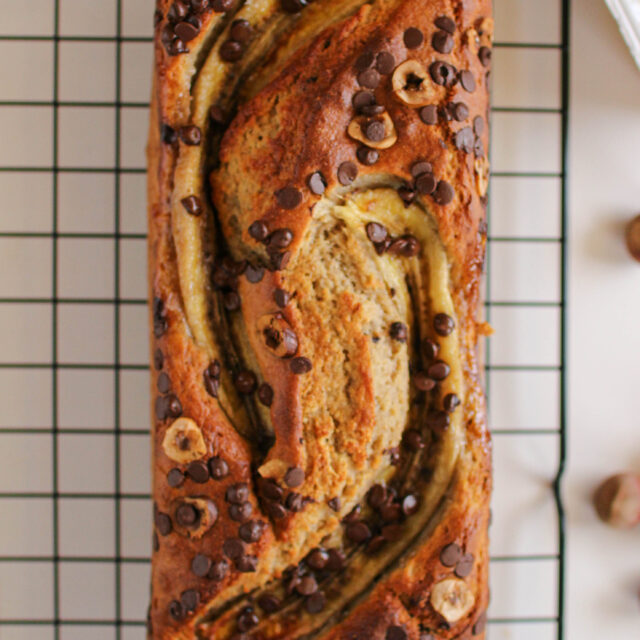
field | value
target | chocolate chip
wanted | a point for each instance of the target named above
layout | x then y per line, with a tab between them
294	502
163	523
233	548
480	624
276	511
192	205
353	515
391	512
176	610
280	238
437	420
245	381
289	197
385	62
270	489
423	382
246	564
375	544
191	135
160	408
369	79
429	114
376	496
279	261
247	619
413	440
177	47
316	183
155	541
464	140
459	111
467	81
443	324
367	156
426	184
240	512
443	74
421	167
254	274
430	349
186	30
258	230
358	532
336	560
218	468
231	301
251	531
407	195
318	559
163	383
293	6
406	246
334	504
409	504
444	193
158	359
413	38
442	42
240	31
168	134
186	514
464	566
175	477
478	125
160	323
222	5
231	51
218	570
200	565
177	11
300	365
269	603
450	555
294	477
201	5
364	61
190	599
307	586
396	633
373	130
211	377
376	232
446	24
450	402
398	331
439	370
484	54
174	408
363	99
237	493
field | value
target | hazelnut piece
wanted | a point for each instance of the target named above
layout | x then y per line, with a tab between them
183	441
617	500
377	132
452	599
411	85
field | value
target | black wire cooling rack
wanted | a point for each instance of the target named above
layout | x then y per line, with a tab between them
49	582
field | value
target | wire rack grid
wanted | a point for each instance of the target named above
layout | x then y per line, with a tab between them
74	425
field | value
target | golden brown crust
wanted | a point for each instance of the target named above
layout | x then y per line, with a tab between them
294	126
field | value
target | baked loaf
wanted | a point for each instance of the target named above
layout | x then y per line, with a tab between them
317	187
